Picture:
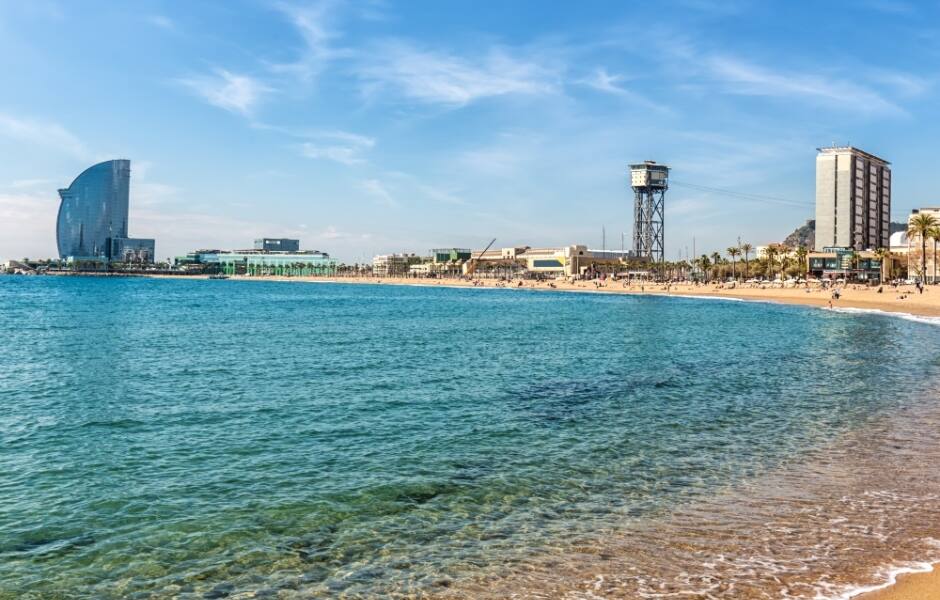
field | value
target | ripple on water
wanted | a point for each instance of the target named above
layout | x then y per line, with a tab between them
198	440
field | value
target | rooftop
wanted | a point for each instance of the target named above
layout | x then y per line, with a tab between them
850	150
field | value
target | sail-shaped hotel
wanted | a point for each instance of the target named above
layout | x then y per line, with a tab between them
92	222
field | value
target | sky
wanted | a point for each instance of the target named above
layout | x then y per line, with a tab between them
372	127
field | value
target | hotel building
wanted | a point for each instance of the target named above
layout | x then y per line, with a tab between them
853	199
92	221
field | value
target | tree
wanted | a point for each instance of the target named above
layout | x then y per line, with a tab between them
770	254
704	264
934	234
920	225
746	249
733	252
882	254
801	254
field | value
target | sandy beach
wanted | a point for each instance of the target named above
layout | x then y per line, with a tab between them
913	586
904	299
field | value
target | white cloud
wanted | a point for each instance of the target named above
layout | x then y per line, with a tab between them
28	224
377	189
239	94
29	183
339	146
604	82
902	84
739	77
161	21
314	25
891	7
42	133
440	78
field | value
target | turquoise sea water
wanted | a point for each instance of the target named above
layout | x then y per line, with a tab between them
166	438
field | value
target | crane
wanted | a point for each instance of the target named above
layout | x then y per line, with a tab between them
473	262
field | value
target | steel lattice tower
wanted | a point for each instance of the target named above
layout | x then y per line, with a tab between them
650	182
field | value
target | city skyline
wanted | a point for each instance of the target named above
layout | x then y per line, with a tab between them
377	127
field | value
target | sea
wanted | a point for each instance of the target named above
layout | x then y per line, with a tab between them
254	439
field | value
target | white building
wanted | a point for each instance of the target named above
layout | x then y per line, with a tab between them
915	247
898	242
853	199
393	265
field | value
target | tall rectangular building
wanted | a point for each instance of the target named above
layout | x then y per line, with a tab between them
853	199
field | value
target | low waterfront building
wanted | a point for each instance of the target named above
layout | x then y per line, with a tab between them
848	264
132	250
394	265
450	255
565	261
303	263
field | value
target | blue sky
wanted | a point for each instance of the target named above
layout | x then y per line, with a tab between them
368	127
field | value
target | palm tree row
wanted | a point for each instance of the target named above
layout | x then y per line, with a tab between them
925	226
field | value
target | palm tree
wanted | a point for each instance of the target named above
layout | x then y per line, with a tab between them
934	234
704	264
882	254
716	260
771	253
733	252
746	249
920	225
801	254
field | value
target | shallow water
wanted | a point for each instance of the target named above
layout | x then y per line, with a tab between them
211	438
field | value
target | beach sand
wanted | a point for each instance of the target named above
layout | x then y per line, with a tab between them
905	299
915	586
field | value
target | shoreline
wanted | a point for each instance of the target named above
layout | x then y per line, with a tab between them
920	582
902	302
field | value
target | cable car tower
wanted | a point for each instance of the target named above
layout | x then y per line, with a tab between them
649	182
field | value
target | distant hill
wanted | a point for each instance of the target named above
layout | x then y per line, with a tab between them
805	235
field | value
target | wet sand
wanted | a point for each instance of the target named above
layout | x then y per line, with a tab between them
914	586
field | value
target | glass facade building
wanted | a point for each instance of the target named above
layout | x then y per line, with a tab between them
258	262
131	250
94	208
92	221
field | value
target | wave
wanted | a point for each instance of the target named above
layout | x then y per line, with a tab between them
887	313
726	298
891	578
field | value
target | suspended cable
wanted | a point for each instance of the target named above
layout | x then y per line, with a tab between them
743	195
